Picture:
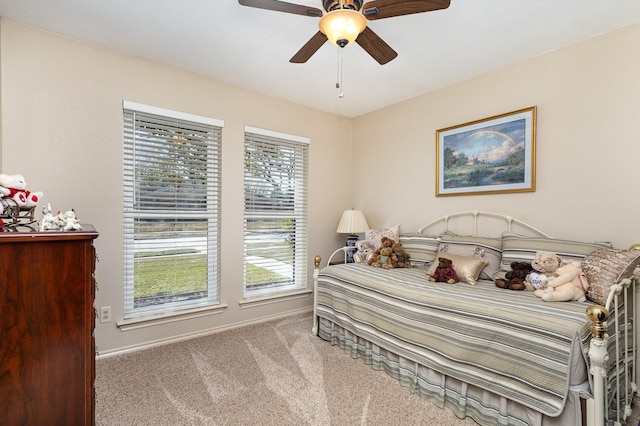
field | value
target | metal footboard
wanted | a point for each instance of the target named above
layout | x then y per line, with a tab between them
614	344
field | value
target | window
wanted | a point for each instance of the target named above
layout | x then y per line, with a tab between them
275	212
171	210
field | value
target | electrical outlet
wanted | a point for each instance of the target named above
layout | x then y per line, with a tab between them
105	314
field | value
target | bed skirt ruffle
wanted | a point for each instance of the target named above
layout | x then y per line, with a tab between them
463	399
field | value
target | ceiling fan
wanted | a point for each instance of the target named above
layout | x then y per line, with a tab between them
345	22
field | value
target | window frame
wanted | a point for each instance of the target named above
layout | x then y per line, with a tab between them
211	213
299	212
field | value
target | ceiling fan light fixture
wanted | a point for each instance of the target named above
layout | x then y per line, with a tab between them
342	26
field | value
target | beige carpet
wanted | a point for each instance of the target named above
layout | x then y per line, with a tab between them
274	373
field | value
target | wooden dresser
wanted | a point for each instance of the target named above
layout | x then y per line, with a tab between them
47	348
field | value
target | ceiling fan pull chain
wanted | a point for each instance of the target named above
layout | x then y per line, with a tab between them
339	82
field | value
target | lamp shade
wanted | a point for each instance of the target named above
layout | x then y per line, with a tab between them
342	26
352	222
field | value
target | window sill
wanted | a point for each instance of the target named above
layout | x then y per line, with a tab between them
274	298
150	321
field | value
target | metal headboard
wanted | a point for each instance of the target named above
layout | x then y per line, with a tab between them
475	214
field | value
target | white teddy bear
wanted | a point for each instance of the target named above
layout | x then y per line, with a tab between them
364	250
14	187
567	283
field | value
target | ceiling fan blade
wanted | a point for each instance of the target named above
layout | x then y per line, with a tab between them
309	48
379	9
375	46
280	6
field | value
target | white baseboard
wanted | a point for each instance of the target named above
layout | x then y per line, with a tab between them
200	333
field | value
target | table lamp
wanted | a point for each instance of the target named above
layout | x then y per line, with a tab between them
352	222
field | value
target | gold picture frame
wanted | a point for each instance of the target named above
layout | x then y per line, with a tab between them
488	156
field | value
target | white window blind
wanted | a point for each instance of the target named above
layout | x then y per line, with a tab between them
171	210
275	212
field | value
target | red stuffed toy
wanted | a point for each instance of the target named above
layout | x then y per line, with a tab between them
444	273
13	187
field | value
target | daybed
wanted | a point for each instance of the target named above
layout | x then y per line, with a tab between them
496	355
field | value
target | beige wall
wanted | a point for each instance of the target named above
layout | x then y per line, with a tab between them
588	144
62	128
62	115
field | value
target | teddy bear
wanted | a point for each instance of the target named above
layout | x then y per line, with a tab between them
444	272
364	250
386	259
515	278
385	242
544	264
401	255
14	187
567	283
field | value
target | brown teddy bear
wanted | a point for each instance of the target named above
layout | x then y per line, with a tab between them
515	278
385	242
444	273
385	260
401	255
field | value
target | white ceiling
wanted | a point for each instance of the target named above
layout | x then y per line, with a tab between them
250	48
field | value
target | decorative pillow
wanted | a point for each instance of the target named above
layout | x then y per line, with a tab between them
489	249
467	268
422	248
605	267
375	235
517	248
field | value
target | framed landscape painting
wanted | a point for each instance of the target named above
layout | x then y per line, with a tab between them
488	156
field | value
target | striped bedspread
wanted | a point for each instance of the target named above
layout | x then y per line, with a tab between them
508	342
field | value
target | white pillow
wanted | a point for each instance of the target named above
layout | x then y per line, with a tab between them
375	235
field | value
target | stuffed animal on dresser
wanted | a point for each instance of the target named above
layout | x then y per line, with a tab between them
14	187
444	273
